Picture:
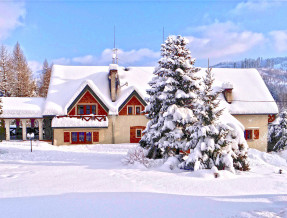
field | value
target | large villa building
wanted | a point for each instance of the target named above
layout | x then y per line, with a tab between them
104	104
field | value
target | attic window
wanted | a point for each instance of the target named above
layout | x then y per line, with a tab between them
130	110
80	109
87	109
138	110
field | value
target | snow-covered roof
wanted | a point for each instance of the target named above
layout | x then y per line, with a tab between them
68	81
22	107
250	94
78	122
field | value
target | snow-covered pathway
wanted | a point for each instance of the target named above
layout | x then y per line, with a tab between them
90	181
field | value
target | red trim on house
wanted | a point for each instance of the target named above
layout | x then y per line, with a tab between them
133	133
81	138
271	118
87	118
67	137
85	100
96	137
134	101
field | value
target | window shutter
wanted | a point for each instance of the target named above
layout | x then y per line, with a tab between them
245	134
256	134
96	137
66	137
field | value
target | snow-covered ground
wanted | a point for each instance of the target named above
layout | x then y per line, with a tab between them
90	181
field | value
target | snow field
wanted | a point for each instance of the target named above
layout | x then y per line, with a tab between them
91	181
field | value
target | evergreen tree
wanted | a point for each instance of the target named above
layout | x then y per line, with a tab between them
7	78
212	143
280	135
24	83
173	97
46	75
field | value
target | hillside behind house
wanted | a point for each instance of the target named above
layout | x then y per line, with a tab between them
273	72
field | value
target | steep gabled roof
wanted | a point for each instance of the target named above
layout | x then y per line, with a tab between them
134	93
87	85
250	94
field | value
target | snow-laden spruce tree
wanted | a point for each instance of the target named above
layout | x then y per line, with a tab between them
212	142
172	99
278	134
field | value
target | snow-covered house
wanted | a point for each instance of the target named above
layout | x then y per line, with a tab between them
103	104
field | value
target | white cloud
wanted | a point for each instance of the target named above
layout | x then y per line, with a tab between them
62	61
254	6
220	40
12	14
35	66
141	57
280	40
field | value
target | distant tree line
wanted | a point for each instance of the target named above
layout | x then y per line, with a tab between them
16	78
280	62
276	81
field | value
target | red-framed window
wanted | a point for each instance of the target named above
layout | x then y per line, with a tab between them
248	134
81	137
86	109
251	134
134	110
138	133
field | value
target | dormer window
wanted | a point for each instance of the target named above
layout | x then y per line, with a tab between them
80	109
138	110
130	110
87	109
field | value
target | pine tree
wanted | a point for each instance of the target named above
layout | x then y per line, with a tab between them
24	83
280	137
46	75
7	77
173	95
212	143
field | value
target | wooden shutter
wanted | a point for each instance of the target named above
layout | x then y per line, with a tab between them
66	136
256	133
248	134
96	137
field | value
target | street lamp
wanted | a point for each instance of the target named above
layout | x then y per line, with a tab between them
31	136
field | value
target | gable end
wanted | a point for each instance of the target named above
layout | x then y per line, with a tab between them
134	93
87	88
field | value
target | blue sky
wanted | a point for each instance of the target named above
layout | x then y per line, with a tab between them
81	32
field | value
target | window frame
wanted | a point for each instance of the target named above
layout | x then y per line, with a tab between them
252	129
140	109
137	133
78	134
132	107
85	109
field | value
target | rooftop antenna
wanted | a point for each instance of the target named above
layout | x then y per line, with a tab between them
115	50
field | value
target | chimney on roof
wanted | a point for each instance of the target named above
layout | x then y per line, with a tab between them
227	91
114	81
